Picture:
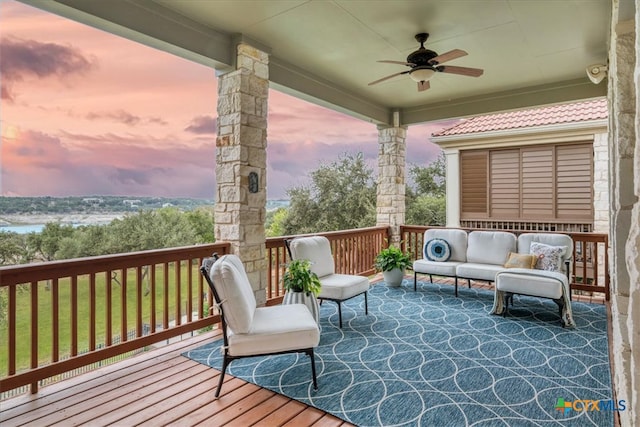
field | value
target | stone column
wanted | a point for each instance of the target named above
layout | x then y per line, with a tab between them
390	202
240	209
624	185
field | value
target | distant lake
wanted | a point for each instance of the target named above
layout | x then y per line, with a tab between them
31	228
22	229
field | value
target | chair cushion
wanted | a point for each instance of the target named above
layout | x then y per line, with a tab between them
455	238
316	249
490	247
548	257
479	271
520	260
433	267
437	250
276	328
232	285
342	286
546	284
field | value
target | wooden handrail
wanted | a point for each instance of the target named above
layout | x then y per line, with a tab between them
590	262
92	277
72	289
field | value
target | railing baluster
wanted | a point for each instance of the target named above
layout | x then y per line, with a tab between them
123	306
74	315
165	297
34	332
178	283
12	329
152	279
189	289
92	312
138	301
55	333
109	296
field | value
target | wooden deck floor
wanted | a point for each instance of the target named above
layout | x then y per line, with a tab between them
159	387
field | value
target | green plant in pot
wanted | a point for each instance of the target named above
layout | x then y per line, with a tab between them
392	262
302	286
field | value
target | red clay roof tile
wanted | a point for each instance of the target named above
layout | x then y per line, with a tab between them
594	109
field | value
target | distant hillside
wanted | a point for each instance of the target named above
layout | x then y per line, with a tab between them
102	204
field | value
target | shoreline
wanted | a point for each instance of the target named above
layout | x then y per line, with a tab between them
77	219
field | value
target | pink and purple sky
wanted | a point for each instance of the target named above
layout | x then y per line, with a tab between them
84	112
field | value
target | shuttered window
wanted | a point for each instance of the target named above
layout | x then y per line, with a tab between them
538	183
473	183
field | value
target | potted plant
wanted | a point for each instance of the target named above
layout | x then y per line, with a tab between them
301	286
392	262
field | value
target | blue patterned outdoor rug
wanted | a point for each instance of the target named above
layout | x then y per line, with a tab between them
427	358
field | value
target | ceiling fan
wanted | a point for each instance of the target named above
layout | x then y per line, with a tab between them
425	63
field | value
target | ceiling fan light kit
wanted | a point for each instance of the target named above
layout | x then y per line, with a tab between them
425	63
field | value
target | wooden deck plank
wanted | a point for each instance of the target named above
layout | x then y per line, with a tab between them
257	413
113	404
158	387
283	415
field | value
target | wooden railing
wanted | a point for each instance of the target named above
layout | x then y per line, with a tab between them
353	251
159	294
143	297
590	262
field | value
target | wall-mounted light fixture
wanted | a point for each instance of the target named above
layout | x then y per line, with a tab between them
253	182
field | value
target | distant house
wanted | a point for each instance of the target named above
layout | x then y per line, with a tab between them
537	169
131	203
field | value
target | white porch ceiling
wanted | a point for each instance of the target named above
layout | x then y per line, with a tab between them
533	51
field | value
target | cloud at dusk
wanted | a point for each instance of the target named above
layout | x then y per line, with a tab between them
121	130
202	125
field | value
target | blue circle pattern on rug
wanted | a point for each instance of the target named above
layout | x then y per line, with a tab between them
427	358
437	250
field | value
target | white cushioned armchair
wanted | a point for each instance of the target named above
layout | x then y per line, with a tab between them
335	287
255	331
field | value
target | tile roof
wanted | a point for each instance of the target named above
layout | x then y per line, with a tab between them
594	109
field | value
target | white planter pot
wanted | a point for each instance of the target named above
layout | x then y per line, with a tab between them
308	299
393	277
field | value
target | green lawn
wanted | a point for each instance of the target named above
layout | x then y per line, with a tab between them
45	313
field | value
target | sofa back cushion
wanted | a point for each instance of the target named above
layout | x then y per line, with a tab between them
551	239
457	240
317	249
490	247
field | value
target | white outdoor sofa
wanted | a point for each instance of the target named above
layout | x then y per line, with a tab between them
482	255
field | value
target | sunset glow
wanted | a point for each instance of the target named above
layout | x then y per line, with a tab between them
85	112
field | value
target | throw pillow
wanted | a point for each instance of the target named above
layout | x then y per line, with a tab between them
521	260
437	250
549	257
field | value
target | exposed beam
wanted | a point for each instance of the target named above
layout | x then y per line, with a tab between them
293	80
566	91
149	23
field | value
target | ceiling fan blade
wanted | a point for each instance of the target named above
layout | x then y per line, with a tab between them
388	77
463	71
422	86
448	56
388	61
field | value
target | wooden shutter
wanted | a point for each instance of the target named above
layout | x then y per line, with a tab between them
473	184
574	176
537	183
504	185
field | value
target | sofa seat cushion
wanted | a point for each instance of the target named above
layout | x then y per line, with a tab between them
434	267
490	247
539	283
479	271
342	286
272	331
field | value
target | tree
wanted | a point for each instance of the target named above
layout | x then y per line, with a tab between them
430	180
46	243
13	248
425	201
342	195
274	224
